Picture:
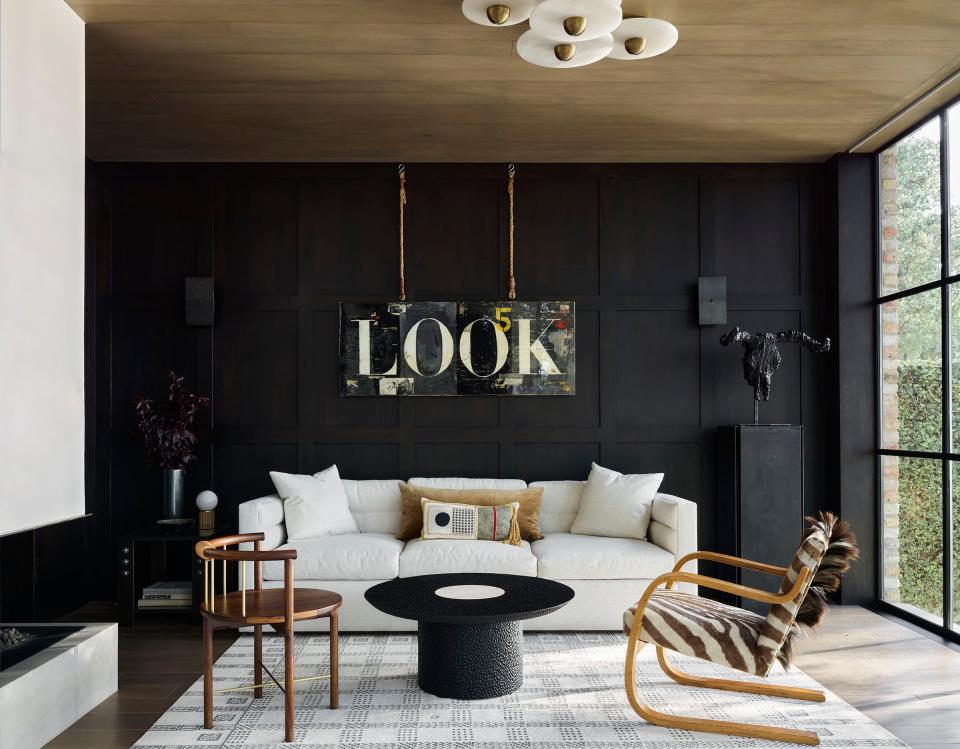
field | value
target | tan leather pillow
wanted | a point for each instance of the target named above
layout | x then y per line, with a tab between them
411	522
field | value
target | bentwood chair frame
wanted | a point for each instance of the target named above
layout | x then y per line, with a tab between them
749	730
278	608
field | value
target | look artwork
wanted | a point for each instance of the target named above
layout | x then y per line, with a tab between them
457	348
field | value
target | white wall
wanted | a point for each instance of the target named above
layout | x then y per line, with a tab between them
41	263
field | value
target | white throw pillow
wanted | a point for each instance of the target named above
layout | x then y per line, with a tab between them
314	505
616	504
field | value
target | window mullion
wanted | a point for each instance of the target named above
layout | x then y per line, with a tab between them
947	372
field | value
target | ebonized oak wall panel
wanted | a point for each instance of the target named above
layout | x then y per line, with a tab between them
652	226
285	243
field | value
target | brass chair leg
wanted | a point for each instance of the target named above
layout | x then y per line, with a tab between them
207	674
731	685
747	730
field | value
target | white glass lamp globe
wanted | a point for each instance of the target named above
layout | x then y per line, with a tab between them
206	500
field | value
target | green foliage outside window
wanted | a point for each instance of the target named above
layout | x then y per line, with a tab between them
919	375
921	494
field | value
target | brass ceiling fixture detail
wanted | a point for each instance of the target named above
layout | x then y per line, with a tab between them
498	14
573	33
635	45
565	52
575	25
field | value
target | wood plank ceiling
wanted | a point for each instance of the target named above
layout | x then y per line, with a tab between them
391	80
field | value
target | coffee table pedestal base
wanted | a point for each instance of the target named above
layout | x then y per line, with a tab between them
470	661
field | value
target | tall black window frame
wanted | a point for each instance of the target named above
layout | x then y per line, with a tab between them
949	280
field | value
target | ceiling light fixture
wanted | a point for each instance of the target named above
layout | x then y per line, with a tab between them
573	33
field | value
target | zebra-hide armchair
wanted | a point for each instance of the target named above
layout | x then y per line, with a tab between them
739	639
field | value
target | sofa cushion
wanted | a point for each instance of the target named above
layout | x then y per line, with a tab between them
375	504
436	557
447	520
453	482
568	556
616	505
348	556
314	505
561	500
528	516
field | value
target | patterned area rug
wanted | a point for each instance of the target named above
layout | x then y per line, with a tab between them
572	696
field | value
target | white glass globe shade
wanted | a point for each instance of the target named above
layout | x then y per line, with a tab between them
206	500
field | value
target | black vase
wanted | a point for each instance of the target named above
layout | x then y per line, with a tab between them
172	482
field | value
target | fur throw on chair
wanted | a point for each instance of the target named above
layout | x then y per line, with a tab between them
840	551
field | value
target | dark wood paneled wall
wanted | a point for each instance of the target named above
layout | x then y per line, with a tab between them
851	204
285	243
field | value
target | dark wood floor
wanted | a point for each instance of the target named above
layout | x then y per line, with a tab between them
904	680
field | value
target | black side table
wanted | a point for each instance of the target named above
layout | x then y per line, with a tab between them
154	553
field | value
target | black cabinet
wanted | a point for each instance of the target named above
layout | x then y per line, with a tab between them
162	552
760	499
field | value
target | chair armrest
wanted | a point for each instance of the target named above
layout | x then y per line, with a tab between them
746	564
744	591
236	555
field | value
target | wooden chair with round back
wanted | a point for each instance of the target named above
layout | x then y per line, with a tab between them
278	608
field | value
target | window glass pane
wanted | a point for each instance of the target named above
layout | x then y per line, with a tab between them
910	210
913	535
954	290
911	388
953	161
955	468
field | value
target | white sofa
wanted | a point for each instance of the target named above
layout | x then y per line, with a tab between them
607	574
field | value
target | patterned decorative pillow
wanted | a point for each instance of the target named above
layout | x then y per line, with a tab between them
455	521
411	521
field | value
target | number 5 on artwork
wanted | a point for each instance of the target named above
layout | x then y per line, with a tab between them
503	319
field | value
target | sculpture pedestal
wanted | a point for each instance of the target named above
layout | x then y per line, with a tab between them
759	499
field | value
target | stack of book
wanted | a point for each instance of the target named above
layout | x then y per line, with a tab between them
167	595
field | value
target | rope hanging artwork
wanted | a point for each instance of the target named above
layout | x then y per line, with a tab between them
402	170
511	187
458	348
512	284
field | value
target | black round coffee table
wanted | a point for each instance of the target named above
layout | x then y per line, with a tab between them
469	648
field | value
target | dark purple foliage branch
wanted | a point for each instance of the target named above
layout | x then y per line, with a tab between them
169	437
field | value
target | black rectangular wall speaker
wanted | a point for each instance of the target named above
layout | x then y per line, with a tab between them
199	301
712	293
